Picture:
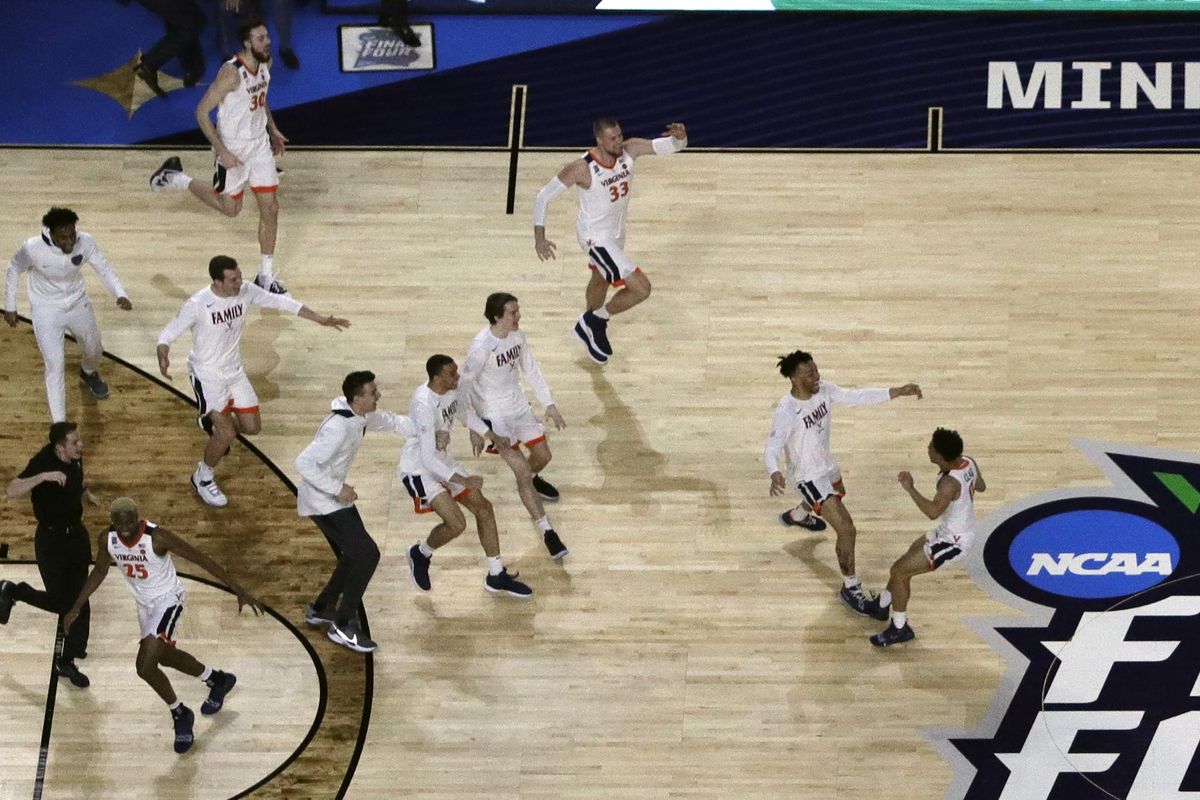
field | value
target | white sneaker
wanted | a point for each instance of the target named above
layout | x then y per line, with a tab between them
168	176
209	492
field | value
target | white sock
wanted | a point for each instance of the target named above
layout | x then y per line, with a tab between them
425	549
175	705
495	566
208	671
885	599
602	313
850	581
204	472
899	619
268	267
181	179
543	524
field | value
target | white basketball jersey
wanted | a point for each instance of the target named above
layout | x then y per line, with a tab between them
602	205
959	518
148	574
431	413
242	113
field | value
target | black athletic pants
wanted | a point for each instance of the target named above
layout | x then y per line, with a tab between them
63	557
184	21
357	555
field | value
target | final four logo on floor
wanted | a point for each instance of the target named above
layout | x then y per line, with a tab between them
367	48
1102	694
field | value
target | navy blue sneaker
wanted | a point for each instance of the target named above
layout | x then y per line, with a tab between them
507	584
597	331
545	489
810	522
582	334
219	685
351	637
892	635
418	568
857	600
558	550
184	719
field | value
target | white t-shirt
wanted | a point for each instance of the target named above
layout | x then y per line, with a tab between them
55	278
801	430
491	375
217	324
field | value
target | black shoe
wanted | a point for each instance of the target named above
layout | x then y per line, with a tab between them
507	584
350	637
95	383
879	612
273	286
219	685
6	600
557	549
406	34
183	719
597	331
315	615
289	58
66	668
581	333
892	635
545	489
418	568
162	178
150	78
810	522
857	600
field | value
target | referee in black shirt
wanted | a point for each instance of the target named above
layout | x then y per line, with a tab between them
54	481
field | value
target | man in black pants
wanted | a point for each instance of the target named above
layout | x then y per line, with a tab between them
54	481
325	496
184	21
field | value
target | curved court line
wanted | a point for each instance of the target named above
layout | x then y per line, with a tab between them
368	661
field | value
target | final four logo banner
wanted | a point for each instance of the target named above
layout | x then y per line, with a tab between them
1101	698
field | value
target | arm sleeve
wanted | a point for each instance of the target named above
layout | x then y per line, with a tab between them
312	462
668	145
857	397
95	256
540	203
533	374
390	421
781	429
282	302
183	321
18	264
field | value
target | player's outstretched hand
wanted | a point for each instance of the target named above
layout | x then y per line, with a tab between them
545	249
909	390
336	323
244	599
675	130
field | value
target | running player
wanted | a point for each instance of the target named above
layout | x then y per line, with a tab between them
491	382
245	142
216	316
954	501
801	430
143	550
438	483
604	176
59	303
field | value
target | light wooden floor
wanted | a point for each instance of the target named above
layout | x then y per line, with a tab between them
689	647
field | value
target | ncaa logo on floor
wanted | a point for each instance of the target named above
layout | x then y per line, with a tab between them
1102	694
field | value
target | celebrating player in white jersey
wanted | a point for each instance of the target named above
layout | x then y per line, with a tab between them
801	430
326	498
491	383
216	316
59	303
604	176
245	142
435	481
954	501
143	550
